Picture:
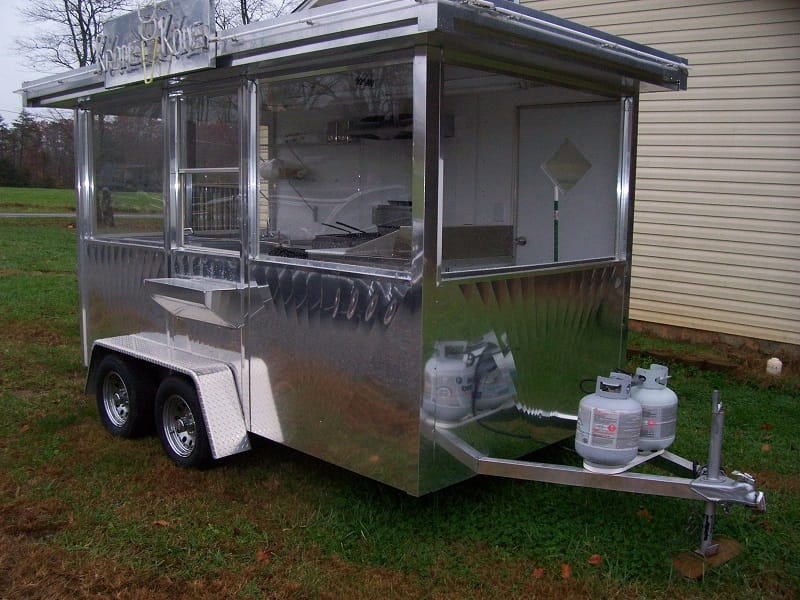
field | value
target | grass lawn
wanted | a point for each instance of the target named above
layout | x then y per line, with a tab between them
35	200
85	515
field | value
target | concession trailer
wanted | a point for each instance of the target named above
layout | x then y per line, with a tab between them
392	234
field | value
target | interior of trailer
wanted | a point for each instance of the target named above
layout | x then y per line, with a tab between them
530	171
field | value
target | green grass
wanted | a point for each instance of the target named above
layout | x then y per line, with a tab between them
31	245
38	267
137	202
36	200
276	523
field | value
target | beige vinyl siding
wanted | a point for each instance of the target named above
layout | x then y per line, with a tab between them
717	231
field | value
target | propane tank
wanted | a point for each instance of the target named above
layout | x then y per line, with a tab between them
449	379
626	377
659	408
494	372
607	434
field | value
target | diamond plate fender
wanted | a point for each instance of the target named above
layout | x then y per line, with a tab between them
213	379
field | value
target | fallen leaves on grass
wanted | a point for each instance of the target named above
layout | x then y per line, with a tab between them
566	571
766	448
538	572
264	555
161	523
595	560
643	513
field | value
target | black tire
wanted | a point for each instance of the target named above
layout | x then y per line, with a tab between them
179	423
124	397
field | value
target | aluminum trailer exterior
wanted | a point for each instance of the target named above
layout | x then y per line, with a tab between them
391	234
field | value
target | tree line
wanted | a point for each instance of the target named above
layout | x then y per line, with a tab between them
37	153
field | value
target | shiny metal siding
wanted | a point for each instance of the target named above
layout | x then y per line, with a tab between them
717	234
335	368
561	327
112	288
199	263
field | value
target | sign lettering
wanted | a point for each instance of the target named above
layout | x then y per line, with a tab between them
157	41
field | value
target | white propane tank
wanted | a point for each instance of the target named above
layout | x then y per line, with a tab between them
623	376
449	380
607	434
659	408
494	373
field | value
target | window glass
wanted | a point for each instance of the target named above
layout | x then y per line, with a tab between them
335	166
211	131
128	154
210	193
530	173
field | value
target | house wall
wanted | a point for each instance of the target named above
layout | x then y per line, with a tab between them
717	234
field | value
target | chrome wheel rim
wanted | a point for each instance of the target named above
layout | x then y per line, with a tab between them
116	400
351	310
179	426
372	306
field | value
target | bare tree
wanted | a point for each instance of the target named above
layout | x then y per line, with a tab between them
65	30
232	13
244	12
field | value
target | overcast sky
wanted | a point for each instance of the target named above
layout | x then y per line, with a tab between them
14	69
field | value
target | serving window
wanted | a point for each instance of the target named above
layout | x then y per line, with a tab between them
209	157
335	155
128	171
531	174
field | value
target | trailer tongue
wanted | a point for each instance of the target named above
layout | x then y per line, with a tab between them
707	482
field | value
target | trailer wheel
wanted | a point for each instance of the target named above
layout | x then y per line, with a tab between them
180	425
124	397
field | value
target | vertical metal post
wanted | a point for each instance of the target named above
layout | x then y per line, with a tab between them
707	545
555	223
174	154
83	121
248	172
427	164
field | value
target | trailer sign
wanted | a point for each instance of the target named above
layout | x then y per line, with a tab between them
154	41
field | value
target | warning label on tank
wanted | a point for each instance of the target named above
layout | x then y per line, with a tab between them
658	422
610	428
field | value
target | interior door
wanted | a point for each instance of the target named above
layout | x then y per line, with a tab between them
567	195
